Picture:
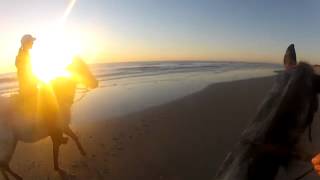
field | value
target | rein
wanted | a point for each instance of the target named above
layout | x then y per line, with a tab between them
84	93
279	151
310	170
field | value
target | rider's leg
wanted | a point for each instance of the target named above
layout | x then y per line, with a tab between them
57	135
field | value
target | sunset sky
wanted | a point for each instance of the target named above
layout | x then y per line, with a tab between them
138	30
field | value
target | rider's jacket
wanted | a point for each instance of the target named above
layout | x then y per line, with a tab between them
27	82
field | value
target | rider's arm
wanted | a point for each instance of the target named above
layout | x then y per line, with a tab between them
20	60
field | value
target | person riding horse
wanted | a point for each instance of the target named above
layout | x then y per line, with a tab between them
17	127
28	89
26	79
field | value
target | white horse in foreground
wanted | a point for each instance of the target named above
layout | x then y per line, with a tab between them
15	126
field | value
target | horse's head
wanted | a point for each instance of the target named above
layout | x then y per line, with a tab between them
81	73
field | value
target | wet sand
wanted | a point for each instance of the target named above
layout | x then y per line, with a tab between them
184	139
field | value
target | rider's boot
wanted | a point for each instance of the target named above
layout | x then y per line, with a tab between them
60	138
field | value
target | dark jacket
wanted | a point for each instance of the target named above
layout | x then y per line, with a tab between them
27	81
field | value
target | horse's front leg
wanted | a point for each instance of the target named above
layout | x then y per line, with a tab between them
68	131
56	148
15	175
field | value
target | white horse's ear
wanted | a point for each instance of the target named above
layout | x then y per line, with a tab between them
290	57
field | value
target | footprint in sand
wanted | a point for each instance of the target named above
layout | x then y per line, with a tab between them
79	164
106	171
139	130
102	145
120	148
145	125
115	139
75	166
31	166
121	134
66	176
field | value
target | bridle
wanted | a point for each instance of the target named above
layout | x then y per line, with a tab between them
84	94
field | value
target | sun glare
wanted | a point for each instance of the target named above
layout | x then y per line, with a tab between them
51	54
54	49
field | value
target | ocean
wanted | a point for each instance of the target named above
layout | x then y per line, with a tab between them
130	87
115	71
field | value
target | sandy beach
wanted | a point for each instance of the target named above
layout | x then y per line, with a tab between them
184	139
159	90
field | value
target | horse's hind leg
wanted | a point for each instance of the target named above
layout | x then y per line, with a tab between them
5	169
14	174
68	131
4	174
4	165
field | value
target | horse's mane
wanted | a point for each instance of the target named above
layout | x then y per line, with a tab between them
293	94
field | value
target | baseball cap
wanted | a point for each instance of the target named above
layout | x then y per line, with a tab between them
27	38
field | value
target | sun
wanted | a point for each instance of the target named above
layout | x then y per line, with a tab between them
51	54
53	50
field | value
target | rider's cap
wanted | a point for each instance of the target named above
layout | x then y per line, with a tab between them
27	38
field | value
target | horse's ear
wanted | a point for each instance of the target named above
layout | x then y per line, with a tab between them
76	62
290	58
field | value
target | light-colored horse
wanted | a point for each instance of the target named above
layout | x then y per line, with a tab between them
19	126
